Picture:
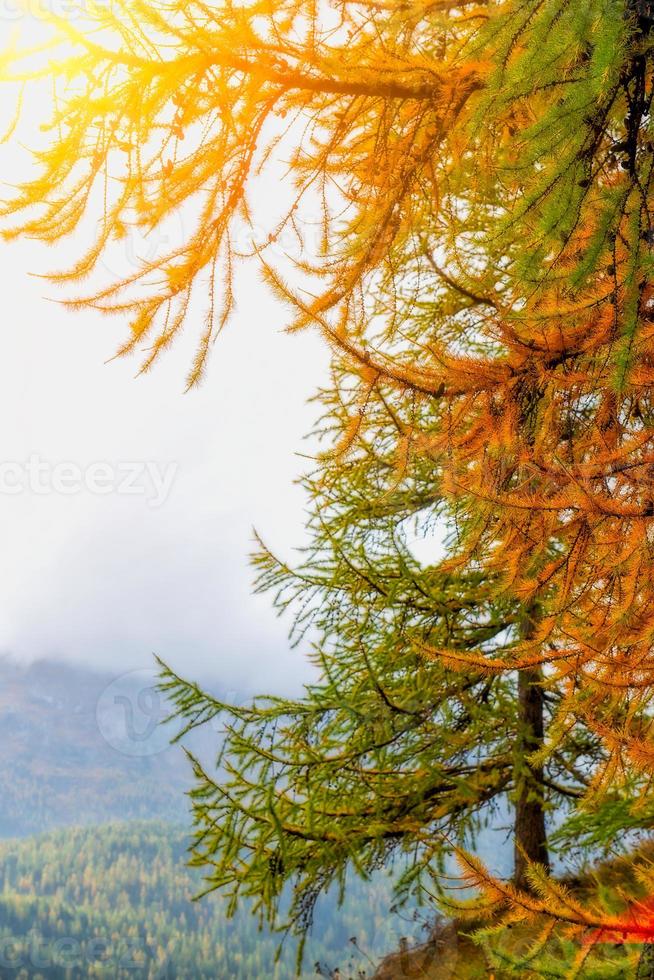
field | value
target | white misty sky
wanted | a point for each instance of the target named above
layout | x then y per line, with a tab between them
106	580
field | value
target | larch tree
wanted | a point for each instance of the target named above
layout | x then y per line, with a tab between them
390	757
481	175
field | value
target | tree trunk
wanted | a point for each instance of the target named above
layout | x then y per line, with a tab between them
530	834
646	963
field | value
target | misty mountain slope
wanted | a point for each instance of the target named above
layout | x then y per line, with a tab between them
80	747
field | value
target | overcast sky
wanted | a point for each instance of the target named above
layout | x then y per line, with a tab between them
106	578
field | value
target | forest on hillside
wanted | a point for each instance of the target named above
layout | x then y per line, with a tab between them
115	901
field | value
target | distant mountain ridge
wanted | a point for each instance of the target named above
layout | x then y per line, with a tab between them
79	747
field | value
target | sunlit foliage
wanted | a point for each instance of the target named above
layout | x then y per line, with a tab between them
178	101
481	178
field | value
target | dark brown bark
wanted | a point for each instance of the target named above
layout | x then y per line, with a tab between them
530	833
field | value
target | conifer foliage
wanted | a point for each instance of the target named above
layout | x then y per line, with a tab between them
482	176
